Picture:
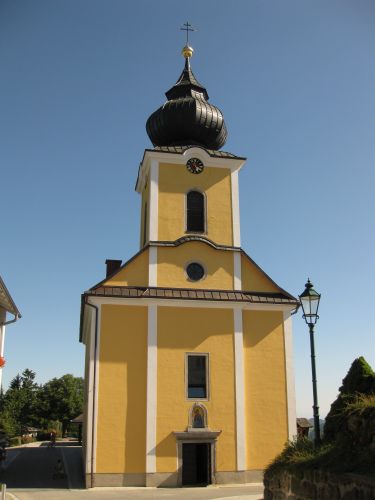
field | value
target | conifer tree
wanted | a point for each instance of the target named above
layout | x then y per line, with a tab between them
19	409
360	379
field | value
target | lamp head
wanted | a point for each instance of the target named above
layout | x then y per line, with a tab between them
310	299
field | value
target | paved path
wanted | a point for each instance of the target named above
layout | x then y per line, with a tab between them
35	466
29	472
246	492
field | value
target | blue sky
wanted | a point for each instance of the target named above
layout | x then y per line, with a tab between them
295	80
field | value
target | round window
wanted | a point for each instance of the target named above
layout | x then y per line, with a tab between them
195	271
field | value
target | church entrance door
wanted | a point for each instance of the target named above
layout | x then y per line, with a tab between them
196	464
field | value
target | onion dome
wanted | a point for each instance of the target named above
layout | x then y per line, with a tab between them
187	119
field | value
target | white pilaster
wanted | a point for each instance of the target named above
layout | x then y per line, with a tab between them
96	380
237	279
152	368
153	266
240	390
154	201
3	318
289	375
153	225
90	399
235	209
2	339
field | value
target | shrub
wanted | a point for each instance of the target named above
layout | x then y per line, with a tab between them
27	439
351	450
43	435
360	379
15	441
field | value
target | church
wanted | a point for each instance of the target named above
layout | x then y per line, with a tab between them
188	345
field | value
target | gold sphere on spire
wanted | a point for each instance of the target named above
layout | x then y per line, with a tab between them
187	51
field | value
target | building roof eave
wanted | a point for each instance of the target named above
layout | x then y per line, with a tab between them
144	292
6	301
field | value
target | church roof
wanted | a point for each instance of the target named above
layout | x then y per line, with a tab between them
181	149
186	84
186	118
192	294
188	238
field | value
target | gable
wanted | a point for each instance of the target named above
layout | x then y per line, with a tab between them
254	279
217	263
172	261
132	273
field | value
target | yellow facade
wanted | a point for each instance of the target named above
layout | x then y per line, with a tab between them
175	181
198	330
121	440
253	278
266	397
135	273
123	375
218	265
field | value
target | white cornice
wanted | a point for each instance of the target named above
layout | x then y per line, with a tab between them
248	306
180	159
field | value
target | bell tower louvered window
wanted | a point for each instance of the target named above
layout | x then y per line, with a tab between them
195	211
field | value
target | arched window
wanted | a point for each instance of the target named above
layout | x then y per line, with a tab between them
195	211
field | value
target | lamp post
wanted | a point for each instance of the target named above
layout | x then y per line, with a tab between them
310	299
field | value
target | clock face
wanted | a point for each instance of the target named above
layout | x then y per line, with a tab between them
195	166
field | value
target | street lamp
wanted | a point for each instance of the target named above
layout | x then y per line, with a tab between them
310	299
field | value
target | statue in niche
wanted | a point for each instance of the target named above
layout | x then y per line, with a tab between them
198	417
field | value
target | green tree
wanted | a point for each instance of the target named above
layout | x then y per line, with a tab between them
62	399
19	404
360	379
7	423
16	382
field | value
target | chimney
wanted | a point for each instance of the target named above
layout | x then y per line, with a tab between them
112	266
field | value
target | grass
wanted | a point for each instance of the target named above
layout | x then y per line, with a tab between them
300	454
340	456
334	457
360	403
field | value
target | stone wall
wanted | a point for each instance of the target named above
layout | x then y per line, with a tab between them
317	485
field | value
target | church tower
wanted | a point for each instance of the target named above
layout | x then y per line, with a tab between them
189	376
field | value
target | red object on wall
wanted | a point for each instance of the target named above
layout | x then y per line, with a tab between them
2	361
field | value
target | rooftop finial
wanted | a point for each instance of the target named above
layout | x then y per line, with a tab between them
187	27
187	51
187	118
